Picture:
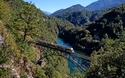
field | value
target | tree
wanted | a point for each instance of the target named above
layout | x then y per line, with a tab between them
105	35
4	12
30	14
110	63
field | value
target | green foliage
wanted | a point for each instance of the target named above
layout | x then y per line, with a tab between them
110	61
55	62
77	74
106	36
23	22
40	73
4	12
81	18
9	46
111	23
5	73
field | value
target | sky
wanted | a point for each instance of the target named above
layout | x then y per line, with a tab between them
54	5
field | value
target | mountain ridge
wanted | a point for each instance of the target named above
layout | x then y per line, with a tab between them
46	13
97	5
102	4
73	8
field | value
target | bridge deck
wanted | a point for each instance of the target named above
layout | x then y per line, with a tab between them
61	48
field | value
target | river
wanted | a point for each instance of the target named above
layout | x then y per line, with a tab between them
70	64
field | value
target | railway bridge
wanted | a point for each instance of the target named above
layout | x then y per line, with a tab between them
66	52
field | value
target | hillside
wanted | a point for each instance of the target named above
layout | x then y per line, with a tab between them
102	4
20	23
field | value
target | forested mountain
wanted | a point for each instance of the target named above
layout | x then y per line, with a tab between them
102	4
79	15
110	24
80	18
73	8
98	5
105	38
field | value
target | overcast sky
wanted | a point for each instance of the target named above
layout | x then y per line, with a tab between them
54	5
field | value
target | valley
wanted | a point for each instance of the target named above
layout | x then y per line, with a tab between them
95	32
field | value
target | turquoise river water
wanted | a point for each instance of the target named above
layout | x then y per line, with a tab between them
70	64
